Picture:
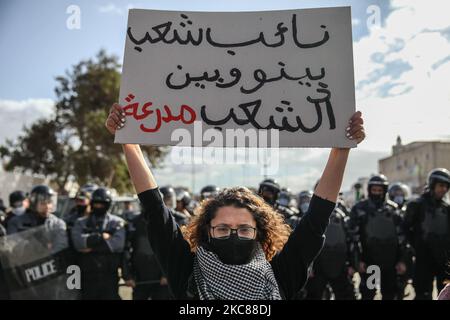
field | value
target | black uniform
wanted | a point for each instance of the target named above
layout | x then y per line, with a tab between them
427	223
10	214
16	202
378	229
99	268
141	265
270	191
70	219
331	266
170	199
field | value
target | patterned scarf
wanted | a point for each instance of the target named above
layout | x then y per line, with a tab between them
252	281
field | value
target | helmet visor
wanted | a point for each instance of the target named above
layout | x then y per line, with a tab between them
49	199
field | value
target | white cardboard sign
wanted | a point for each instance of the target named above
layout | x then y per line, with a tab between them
197	78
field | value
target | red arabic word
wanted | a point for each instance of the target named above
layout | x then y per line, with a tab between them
186	115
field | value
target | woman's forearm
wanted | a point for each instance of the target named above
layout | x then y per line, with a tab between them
331	180
140	173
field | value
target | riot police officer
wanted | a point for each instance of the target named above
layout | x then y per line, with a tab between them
427	223
100	238
286	200
209	191
42	205
304	198
377	225
17	205
170	200
270	191
333	266
140	269
81	208
284	205
184	202
129	213
399	193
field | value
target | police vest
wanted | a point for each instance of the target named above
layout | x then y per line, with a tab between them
381	243
333	257
436	233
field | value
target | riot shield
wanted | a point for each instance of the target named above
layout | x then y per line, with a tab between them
35	264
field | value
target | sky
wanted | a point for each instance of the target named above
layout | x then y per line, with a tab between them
402	69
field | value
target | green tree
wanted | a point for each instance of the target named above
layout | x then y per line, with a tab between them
74	142
40	149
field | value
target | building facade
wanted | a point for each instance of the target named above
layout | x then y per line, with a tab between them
412	162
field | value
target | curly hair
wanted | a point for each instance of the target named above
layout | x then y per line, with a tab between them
272	231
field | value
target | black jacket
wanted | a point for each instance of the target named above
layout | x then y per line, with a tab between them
290	266
417	212
140	262
359	218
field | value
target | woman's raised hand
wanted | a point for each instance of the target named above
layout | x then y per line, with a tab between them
116	118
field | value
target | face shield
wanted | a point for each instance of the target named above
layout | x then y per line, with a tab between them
208	194
170	199
284	200
398	196
304	200
44	203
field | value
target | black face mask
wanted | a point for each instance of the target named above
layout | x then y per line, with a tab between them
269	199
377	199
81	210
233	250
99	211
40	220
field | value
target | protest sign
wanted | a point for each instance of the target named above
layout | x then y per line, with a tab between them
271	78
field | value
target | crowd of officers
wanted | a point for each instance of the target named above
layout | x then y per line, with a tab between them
407	239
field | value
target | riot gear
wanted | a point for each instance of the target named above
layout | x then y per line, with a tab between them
184	197
381	181
269	190
284	198
209	191
377	228
140	263
42	193
17	206
399	193
102	196
438	175
39	252
82	200
169	196
283	205
100	239
331	266
304	198
170	200
16	198
185	203
427	222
